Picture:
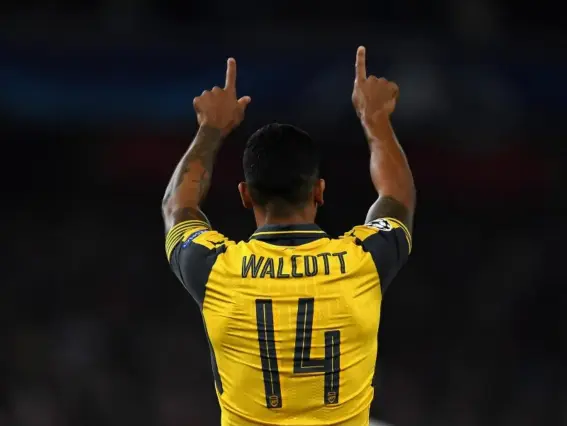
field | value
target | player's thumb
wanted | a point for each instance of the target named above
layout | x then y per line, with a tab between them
244	101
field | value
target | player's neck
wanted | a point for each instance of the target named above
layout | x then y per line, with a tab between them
296	218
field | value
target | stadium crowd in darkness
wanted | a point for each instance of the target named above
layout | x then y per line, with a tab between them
96	331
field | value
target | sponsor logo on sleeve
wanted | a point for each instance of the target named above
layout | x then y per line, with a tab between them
380	224
191	237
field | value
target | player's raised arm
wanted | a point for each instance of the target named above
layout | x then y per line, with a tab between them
374	99
218	112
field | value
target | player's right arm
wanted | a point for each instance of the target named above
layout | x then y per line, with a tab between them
219	111
374	99
191	245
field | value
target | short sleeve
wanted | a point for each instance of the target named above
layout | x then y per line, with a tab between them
389	243
192	248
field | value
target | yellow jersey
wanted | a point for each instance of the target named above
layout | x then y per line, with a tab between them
292	316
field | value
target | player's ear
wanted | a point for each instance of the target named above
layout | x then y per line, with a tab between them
318	191
245	195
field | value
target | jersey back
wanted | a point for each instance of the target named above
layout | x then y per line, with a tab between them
292	316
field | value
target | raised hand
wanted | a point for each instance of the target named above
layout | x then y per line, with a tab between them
219	108
372	96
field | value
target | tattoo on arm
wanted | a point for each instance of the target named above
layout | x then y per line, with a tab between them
191	179
387	206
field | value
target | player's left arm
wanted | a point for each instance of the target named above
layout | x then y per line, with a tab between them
387	232
191	246
375	100
388	241
218	112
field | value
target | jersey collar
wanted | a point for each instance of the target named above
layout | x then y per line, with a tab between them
302	231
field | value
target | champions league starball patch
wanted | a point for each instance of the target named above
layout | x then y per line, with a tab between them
380	224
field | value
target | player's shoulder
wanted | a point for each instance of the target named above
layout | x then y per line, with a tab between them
385	227
197	235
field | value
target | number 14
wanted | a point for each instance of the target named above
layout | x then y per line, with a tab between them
302	361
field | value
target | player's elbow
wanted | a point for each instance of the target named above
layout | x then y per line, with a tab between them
410	196
167	209
169	202
404	193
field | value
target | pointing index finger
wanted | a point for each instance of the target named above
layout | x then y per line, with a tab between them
230	83
360	63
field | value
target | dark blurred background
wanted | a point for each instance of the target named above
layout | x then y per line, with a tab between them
95	111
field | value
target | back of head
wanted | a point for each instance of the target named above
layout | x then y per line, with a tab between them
281	165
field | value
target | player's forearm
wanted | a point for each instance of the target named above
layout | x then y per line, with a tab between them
390	171
191	179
